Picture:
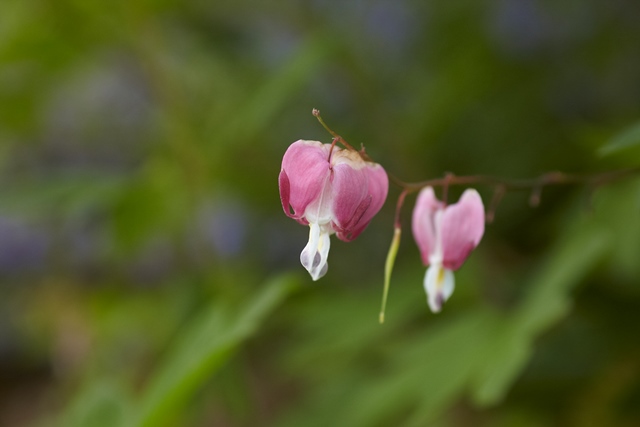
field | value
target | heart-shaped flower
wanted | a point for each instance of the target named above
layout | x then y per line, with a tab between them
333	191
446	235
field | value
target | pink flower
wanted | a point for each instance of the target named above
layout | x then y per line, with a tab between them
446	235
332	192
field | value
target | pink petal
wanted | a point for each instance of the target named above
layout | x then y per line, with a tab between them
461	229
349	195
355	225
423	222
305	164
285	188
378	187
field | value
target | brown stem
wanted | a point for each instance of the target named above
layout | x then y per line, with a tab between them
333	144
495	201
550	178
399	208
338	138
501	185
448	176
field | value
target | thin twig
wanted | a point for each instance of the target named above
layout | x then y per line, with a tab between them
550	178
338	138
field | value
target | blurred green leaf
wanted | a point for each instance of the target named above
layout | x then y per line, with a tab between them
511	340
628	138
206	344
66	194
616	208
103	404
481	350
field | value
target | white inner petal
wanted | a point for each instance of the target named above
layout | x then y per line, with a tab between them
439	284
437	255
319	211
315	254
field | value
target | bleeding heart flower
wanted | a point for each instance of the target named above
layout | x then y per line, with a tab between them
446	235
332	191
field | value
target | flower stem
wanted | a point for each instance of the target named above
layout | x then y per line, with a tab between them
502	185
536	184
338	138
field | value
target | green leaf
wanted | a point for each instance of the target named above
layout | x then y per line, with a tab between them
206	344
511	343
103	404
630	137
63	194
481	351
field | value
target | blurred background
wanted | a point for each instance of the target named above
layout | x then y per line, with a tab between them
150	278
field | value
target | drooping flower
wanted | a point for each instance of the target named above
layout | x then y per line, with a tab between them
332	191
446	235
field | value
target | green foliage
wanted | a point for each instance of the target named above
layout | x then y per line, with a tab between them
481	351
101	404
207	343
626	139
202	346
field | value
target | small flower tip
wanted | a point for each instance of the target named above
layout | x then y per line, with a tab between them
436	303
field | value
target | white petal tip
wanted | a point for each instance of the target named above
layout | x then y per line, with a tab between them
314	256
436	303
317	275
439	284
316	269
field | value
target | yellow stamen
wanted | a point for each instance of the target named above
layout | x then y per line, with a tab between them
440	276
